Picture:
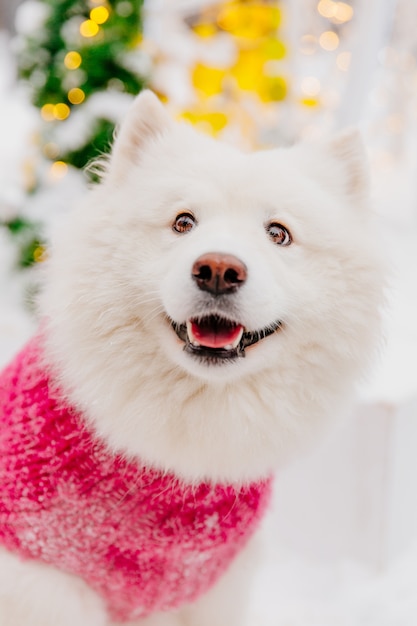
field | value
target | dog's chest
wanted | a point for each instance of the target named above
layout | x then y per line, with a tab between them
143	540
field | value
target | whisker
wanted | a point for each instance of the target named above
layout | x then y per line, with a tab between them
152	314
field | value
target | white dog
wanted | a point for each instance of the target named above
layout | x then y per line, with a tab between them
205	312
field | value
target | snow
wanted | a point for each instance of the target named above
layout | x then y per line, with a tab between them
31	16
293	592
309	586
109	105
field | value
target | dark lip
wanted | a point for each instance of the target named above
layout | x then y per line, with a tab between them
249	338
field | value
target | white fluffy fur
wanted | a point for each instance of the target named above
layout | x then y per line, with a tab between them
118	271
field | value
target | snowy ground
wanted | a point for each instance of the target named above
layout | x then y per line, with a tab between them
292	589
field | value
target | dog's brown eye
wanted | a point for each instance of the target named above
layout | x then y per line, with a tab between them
279	234
184	222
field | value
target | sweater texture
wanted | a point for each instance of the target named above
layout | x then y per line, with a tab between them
143	540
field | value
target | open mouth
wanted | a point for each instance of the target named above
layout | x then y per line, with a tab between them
218	338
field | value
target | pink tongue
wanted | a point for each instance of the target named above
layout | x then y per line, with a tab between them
215	336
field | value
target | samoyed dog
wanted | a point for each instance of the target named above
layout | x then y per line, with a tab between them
204	313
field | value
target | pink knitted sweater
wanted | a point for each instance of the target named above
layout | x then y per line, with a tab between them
143	540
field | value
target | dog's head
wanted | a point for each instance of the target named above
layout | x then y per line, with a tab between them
197	270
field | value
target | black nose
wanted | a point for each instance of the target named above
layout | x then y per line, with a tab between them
219	273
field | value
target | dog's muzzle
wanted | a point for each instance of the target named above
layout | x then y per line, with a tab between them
214	336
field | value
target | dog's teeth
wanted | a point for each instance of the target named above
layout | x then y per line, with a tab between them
229	347
196	344
237	341
190	334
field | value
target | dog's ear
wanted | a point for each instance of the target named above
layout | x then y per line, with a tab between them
339	164
348	150
146	120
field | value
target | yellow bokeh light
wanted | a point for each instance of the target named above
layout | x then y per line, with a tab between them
205	30
88	28
139	41
338	12
211	122
250	20
343	61
61	111
99	15
274	49
343	12
310	102
273	88
51	150
58	170
76	95
248	70
208	80
29	177
329	40
327	8
39	254
47	112
72	60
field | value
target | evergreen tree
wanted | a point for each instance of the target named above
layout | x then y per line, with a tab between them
82	62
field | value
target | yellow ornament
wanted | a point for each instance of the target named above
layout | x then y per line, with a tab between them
250	19
208	80
211	122
248	69
205	30
310	102
274	49
273	89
